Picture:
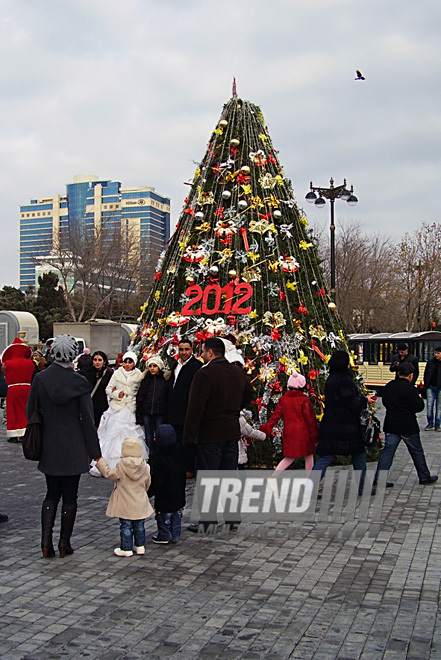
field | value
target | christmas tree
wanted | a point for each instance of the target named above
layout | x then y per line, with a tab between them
243	265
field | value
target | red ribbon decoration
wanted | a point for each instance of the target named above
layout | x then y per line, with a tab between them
318	351
243	233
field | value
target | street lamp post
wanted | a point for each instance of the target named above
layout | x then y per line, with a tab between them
332	193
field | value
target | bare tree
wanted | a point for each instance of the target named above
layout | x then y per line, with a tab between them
417	264
97	268
365	279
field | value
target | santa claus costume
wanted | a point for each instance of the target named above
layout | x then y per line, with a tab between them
19	369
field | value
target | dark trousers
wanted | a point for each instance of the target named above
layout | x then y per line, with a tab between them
65	487
217	455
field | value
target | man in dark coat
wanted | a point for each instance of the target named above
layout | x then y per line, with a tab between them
178	389
403	355
218	393
402	402
432	383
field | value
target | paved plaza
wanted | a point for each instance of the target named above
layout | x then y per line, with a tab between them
269	591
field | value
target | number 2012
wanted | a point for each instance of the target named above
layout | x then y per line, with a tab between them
243	290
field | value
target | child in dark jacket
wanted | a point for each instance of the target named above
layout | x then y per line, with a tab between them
168	485
151	399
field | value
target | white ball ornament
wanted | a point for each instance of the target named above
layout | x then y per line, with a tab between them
242	204
226	194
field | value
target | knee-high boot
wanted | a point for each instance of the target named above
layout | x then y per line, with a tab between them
48	512
68	514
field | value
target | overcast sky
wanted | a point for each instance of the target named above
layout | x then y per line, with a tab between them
132	90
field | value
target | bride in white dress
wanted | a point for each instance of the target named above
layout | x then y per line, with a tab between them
119	421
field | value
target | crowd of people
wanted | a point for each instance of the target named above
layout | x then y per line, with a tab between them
148	431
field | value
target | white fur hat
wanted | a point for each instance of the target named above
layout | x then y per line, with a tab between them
131	355
155	359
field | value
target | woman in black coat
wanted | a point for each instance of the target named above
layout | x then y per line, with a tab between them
98	374
340	430
151	399
69	441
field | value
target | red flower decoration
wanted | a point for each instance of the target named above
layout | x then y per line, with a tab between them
275	387
231	319
313	373
275	334
258	403
157	276
321	292
302	309
282	294
219	212
272	159
266	358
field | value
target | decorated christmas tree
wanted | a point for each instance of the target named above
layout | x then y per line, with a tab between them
243	265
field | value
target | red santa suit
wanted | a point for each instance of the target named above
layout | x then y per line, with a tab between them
19	369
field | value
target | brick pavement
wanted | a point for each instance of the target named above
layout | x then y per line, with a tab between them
307	595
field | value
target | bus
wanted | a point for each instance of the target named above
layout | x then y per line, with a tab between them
373	354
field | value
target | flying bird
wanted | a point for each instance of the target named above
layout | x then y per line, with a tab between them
360	76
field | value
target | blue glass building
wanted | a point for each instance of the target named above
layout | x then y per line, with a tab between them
94	204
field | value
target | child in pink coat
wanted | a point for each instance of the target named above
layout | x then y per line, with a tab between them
300	430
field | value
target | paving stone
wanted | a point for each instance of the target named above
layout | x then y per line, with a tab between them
270	591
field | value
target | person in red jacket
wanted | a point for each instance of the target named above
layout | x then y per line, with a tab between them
300	430
19	370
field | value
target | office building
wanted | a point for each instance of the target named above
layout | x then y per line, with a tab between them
94	204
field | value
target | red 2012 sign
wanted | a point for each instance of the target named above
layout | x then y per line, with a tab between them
243	290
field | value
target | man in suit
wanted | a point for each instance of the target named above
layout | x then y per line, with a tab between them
182	373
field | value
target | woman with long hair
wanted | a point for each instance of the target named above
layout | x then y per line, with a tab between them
340	430
119	421
98	374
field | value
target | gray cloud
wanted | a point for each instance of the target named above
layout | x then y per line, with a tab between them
131	91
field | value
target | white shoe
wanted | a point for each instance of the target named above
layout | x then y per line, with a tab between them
123	553
139	550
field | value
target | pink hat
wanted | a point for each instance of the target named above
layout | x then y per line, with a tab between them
296	381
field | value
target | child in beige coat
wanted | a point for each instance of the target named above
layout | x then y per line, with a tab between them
129	501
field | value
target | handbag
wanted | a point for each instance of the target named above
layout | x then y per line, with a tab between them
370	429
33	436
